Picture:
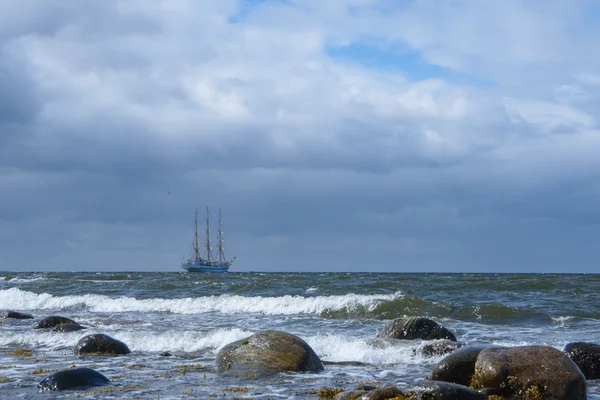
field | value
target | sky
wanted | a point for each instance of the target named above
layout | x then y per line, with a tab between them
346	135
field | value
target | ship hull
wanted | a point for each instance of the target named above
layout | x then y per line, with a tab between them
205	268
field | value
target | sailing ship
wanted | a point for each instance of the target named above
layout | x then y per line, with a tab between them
207	262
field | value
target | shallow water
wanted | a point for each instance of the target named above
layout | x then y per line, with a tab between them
339	314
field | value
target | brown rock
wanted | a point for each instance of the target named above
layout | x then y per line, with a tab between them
533	372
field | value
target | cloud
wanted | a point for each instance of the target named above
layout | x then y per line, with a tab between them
108	106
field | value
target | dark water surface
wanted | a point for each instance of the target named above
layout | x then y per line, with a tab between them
339	314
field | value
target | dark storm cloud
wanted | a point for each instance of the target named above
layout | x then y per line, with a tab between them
117	118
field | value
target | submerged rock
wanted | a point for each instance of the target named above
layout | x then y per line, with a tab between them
532	372
51	322
100	344
438	348
16	315
586	356
68	328
73	378
426	390
267	352
415	328
459	366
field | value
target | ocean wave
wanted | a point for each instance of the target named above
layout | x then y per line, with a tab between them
328	347
15	298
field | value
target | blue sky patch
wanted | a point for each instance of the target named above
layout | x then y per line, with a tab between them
402	59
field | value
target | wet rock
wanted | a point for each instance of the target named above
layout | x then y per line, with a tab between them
386	392
350	395
68	328
51	322
165	354
267	352
438	348
347	363
73	378
435	390
459	366
415	328
586	356
532	372
16	315
100	344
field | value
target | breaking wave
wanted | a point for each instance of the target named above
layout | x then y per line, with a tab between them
15	298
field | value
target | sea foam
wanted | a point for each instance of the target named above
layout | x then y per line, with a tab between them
17	299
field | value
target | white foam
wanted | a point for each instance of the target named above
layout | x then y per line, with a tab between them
343	348
312	289
229	304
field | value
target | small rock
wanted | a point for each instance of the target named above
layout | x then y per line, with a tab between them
415	328
100	344
16	315
439	347
165	354
73	378
586	356
51	322
68	328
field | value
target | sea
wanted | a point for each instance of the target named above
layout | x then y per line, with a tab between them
192	316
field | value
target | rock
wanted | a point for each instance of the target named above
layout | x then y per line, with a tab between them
347	363
51	322
100	344
435	390
267	352
386	392
586	356
351	395
165	354
68	328
438	348
415	328
458	367
532	372
16	315
73	378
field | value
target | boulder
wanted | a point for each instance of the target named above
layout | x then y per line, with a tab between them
51	322
267	352
586	356
16	315
73	378
459	366
438	348
426	390
68	328
100	344
415	328
532	372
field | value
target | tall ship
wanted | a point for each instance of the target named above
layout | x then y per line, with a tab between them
207	262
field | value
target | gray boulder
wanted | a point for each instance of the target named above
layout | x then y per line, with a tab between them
426	390
100	344
51	322
267	352
438	347
533	372
459	366
16	315
586	356
68	328
415	328
73	378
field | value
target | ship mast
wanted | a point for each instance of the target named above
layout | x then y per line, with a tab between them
220	240
196	246
208	254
